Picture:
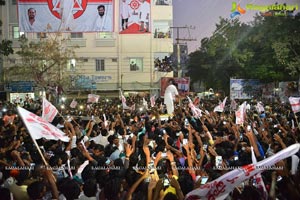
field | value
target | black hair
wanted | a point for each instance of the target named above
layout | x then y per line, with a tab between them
70	189
112	188
88	172
101	6
35	189
90	187
170	196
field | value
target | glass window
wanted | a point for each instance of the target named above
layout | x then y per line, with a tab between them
136	64
14	2
77	35
16	33
100	65
71	65
162	29
163	2
105	35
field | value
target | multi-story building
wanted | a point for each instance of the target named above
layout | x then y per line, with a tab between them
109	60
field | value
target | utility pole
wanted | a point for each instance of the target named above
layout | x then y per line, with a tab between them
179	68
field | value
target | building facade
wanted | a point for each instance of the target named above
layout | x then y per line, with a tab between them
109	61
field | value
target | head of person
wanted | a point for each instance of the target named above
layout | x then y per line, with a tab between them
31	13
36	190
101	10
171	82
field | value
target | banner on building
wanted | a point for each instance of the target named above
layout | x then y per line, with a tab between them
66	15
183	85
135	16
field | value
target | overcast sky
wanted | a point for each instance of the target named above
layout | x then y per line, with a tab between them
202	15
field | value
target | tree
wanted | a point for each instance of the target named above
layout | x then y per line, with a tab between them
267	49
42	62
6	47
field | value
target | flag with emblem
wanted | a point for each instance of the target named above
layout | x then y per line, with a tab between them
93	98
221	106
49	110
40	128
295	103
152	101
73	104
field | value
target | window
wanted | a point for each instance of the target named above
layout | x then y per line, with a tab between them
71	65
14	2
163	2
100	65
136	64
77	35
162	29
105	35
16	33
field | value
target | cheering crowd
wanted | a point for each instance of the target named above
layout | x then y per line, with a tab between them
111	153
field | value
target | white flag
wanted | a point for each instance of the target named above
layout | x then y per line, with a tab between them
125	107
295	104
93	98
49	111
145	104
73	104
260	108
220	188
240	114
221	106
196	111
40	128
259	182
233	105
152	101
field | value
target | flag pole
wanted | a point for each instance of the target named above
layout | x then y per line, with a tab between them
34	141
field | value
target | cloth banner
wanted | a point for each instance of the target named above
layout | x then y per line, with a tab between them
49	111
220	188
221	106
93	98
40	128
295	104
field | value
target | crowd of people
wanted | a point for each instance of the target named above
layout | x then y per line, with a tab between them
164	65
141	154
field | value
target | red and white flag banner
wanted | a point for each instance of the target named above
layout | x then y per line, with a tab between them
152	101
93	98
233	105
295	104
259	182
220	188
221	106
125	107
240	114
49	111
260	108
196	111
73	104
40	128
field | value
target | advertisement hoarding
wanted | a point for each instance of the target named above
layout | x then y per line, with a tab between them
66	15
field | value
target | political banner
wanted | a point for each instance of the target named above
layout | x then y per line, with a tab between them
66	15
135	16
220	188
40	128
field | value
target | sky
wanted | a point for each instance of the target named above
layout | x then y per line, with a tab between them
201	16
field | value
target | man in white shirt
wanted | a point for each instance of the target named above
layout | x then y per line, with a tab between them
103	21
144	15
124	13
171	93
32	25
